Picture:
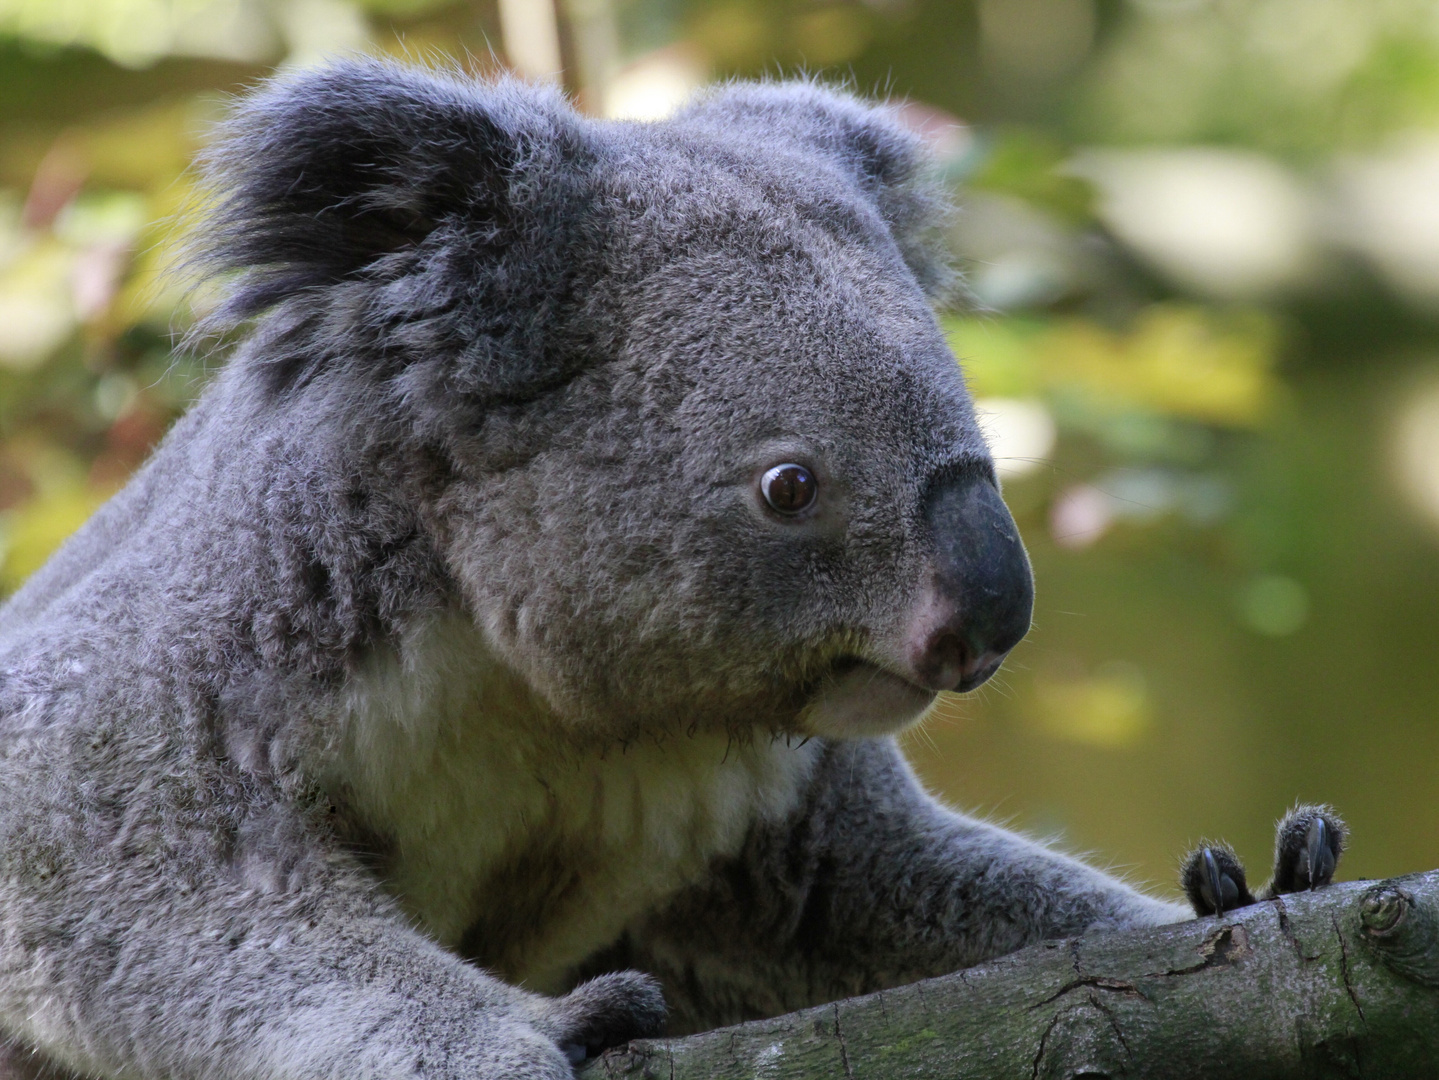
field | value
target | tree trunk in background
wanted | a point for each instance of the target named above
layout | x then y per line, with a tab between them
1338	983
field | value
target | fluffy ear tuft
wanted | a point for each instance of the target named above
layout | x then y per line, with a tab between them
321	175
888	161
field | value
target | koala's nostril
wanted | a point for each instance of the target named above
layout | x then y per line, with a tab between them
949	662
945	660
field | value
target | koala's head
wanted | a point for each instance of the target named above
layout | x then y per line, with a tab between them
703	457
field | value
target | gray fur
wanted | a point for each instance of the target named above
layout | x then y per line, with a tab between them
447	624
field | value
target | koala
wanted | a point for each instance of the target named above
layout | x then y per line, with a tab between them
505	652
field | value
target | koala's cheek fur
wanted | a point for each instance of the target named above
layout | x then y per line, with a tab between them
603	628
634	597
622	558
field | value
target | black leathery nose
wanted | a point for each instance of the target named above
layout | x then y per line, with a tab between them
981	566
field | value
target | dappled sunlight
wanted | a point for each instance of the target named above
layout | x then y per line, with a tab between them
655	85
138	32
1108	707
1020	433
1416	449
1221	222
1387	209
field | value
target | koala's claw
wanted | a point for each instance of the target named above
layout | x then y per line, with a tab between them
1214	881
1319	860
1217	888
1307	847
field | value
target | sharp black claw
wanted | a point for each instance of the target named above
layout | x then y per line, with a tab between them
1307	846
1213	880
1211	887
1319	856
1219	890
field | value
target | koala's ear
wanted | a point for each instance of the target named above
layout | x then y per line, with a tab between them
319	176
867	141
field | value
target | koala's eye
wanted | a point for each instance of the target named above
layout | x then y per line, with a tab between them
789	489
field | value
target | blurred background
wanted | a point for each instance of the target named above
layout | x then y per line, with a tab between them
1202	241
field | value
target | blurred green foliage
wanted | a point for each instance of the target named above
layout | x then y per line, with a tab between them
1237	601
1180	362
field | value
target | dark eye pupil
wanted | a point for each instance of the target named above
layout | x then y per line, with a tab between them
789	488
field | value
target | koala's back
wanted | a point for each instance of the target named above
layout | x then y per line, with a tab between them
109	537
86	701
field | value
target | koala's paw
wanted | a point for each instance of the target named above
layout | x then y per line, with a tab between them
1213	880
606	1011
1307	846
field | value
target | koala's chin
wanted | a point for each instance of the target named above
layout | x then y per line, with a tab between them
864	700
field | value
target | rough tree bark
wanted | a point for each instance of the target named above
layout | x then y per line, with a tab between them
1339	983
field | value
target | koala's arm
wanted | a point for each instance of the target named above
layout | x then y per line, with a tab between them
869	883
148	959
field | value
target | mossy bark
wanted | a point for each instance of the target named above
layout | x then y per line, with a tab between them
1339	983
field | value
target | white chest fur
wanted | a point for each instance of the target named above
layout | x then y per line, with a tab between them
504	837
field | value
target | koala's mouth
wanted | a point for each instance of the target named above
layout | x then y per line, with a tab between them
857	698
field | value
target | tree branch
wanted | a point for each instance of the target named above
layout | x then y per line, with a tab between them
1341	982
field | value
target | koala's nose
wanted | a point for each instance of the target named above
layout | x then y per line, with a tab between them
982	594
